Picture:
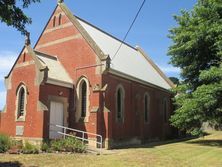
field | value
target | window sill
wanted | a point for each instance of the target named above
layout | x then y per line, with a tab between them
20	119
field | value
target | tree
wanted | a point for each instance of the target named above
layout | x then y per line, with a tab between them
175	80
197	50
12	14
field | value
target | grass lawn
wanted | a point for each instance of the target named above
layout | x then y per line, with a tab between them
200	152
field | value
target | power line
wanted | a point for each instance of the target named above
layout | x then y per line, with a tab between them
129	29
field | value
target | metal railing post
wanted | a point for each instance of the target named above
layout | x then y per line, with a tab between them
64	136
83	135
101	144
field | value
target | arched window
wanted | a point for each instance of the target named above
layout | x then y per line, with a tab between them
21	102
120	104
54	21
60	19
165	110
146	107
83	92
83	98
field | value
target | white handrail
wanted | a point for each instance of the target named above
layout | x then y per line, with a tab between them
83	138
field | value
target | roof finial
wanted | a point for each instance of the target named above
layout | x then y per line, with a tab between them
60	1
108	62
27	38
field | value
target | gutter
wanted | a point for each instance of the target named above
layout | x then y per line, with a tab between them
129	77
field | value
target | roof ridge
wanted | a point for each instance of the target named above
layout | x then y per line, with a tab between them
103	31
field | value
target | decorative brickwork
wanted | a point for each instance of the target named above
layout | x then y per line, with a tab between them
81	58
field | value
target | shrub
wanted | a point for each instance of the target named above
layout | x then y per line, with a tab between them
5	143
16	147
29	148
69	144
57	145
17	143
46	147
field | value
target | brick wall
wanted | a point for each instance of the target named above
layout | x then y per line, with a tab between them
134	124
73	54
23	74
73	51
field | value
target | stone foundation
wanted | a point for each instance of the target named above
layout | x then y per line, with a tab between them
35	141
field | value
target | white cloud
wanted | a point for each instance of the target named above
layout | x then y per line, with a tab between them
2	94
169	69
2	99
7	59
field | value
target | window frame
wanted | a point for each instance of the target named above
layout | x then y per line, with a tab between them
20	115
146	106
83	100
78	113
120	89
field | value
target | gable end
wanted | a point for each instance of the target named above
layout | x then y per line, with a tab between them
83	32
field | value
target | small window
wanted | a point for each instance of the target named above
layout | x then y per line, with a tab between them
120	104
165	110
21	102
146	107
54	21
83	99
60	19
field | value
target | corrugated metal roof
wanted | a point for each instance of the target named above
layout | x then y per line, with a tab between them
128	60
56	70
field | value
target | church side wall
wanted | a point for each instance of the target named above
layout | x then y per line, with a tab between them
134	128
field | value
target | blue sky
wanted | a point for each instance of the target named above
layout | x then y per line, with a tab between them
114	16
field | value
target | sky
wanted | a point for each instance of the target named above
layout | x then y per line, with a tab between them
113	16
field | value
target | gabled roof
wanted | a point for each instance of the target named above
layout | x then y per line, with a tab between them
129	60
56	71
32	54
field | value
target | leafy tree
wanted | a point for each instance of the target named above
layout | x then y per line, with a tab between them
197	50
12	14
175	80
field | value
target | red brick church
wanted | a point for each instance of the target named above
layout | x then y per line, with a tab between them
70	78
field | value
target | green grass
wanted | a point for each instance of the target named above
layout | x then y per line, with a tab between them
204	152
